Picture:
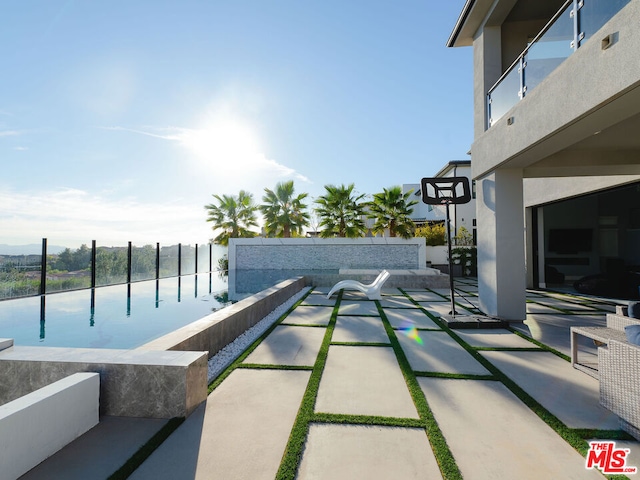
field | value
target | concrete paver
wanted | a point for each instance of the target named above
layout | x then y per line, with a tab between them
355	451
534	307
309	316
364	381
569	394
424	296
439	353
492	434
359	329
241	431
440	309
319	299
86	457
396	302
552	330
498	338
363	307
289	345
405	318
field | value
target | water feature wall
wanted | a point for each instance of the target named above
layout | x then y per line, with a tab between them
326	253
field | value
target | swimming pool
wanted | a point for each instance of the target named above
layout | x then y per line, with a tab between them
118	316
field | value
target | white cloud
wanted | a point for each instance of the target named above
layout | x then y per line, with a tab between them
10	133
21	149
72	217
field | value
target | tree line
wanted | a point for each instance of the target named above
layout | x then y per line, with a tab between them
340	212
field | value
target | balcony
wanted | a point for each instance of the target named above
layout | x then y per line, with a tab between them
568	29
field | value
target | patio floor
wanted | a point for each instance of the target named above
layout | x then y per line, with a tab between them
352	388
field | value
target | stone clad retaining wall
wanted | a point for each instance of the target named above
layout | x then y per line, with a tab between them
133	383
326	253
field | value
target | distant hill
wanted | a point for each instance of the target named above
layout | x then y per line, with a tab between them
31	249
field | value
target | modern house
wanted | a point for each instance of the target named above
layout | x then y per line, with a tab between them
556	151
461	215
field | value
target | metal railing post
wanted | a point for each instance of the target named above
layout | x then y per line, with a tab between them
129	254
93	264
43	268
179	259
157	260
196	268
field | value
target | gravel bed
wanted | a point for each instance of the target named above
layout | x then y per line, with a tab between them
228	354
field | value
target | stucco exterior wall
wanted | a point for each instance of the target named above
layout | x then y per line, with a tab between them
544	122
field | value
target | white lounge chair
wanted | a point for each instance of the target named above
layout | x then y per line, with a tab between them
372	290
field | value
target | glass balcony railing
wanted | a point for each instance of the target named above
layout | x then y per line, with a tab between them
569	28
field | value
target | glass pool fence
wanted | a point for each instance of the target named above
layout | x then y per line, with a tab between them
49	268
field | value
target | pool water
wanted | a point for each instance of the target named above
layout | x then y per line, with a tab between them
118	316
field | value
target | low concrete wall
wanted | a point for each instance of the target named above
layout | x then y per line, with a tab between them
132	383
215	331
326	253
37	425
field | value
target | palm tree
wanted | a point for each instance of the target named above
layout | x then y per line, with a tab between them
284	213
391	209
341	212
234	215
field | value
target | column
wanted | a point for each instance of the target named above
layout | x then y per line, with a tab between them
501	253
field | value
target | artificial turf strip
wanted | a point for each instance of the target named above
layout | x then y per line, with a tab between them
368	420
361	344
588	433
441	451
509	349
293	451
146	450
265	366
454	376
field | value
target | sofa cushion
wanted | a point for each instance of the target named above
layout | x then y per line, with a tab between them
634	310
633	334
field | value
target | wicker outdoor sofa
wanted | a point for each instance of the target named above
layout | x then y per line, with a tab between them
619	372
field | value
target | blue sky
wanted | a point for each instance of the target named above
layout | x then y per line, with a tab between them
119	119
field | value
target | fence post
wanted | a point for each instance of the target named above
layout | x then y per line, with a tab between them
43	268
210	257
129	251
157	260
179	260
196	270
93	263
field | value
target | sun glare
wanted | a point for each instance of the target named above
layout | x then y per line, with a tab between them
230	147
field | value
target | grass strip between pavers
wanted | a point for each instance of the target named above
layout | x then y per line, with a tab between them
442	453
454	376
146	450
267	366
509	349
361	344
368	420
295	446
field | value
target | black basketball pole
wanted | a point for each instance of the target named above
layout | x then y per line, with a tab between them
446	191
453	304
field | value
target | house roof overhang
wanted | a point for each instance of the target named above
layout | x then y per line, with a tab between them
474	15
